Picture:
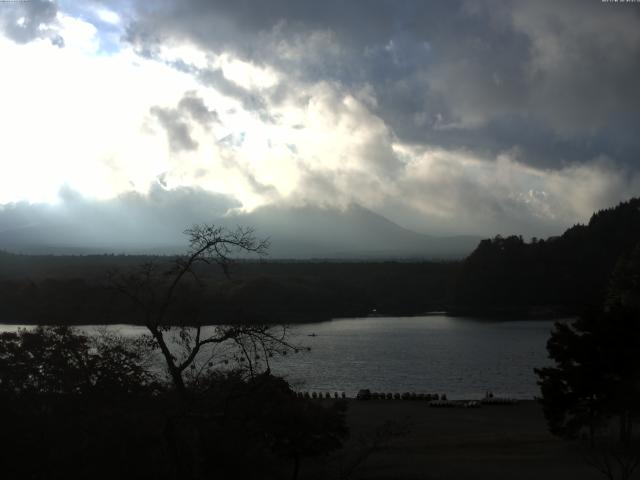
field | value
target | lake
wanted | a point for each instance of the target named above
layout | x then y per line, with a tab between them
433	354
462	357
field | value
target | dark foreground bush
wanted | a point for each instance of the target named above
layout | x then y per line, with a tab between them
272	426
76	407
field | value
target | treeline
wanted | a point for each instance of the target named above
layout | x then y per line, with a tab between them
76	290
504	276
557	276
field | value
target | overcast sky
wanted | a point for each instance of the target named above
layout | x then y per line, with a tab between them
449	117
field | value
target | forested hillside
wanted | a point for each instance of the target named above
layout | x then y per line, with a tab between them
75	289
558	275
504	276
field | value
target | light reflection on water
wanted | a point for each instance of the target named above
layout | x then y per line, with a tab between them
432	354
435	354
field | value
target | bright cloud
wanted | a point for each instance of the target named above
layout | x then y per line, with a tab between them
73	117
442	135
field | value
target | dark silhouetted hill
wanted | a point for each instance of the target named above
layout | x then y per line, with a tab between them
560	275
503	276
50	289
352	233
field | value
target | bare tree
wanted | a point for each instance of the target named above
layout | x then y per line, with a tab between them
612	459
154	293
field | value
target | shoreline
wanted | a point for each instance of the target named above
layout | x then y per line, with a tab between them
481	316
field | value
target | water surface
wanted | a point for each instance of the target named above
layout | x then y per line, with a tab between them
461	357
434	354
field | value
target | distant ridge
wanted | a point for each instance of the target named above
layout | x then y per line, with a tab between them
295	233
354	232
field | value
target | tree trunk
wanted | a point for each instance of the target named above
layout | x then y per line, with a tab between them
174	371
625	428
185	446
296	465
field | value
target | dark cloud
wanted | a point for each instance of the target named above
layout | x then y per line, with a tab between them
449	116
584	61
266	191
262	189
176	121
453	74
178	131
129	221
306	39
26	21
250	101
195	107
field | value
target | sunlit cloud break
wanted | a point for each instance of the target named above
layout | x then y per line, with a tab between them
480	123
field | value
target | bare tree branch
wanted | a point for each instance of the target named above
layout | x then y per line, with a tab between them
155	294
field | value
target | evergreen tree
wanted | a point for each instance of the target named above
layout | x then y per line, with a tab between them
597	373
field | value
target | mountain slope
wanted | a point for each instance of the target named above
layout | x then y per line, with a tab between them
351	233
563	273
303	232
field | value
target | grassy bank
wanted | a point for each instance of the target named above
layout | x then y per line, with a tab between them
492	442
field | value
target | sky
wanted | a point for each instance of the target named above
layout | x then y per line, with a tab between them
446	117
